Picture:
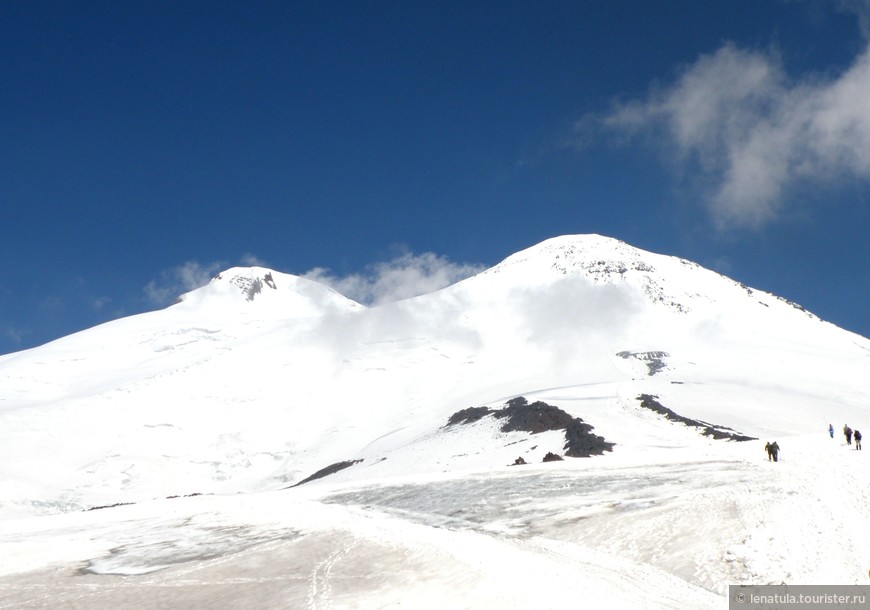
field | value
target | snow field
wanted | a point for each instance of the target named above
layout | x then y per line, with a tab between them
669	534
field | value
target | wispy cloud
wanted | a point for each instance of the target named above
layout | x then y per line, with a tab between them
99	303
860	8
13	334
252	260
405	276
178	280
753	133
52	305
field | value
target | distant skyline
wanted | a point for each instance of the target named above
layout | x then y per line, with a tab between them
390	148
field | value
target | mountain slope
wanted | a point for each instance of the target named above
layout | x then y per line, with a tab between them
259	379
410	420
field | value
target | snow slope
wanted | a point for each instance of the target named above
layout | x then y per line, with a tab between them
257	380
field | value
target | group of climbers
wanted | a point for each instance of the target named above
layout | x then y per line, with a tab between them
850	434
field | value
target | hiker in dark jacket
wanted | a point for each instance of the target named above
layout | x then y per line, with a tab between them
772	451
857	440
831	430
848	432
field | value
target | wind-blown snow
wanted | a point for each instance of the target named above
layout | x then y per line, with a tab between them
259	379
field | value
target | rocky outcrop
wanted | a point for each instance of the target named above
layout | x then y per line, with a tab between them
655	361
538	417
325	472
649	401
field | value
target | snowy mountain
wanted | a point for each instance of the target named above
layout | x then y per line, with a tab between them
411	415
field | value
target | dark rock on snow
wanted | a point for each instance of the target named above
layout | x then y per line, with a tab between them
655	361
540	417
325	472
648	401
469	415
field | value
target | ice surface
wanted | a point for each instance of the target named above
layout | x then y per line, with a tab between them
653	534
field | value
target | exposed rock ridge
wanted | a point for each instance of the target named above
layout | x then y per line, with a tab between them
540	417
649	401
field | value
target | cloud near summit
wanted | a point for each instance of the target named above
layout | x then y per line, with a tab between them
405	276
753	133
180	279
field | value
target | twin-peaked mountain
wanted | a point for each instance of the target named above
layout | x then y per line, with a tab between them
259	379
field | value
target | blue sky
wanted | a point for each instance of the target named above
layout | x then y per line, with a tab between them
390	147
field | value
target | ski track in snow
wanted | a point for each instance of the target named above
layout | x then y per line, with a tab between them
320	590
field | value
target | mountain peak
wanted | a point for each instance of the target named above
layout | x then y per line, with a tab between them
669	281
264	290
249	280
591	254
600	259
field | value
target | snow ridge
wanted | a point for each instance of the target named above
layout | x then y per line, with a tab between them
666	281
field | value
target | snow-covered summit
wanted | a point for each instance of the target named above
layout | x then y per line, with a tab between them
265	292
668	282
587	254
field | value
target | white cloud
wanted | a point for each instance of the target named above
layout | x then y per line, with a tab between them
754	134
13	334
861	9
99	303
575	313
252	260
52	305
405	276
178	280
